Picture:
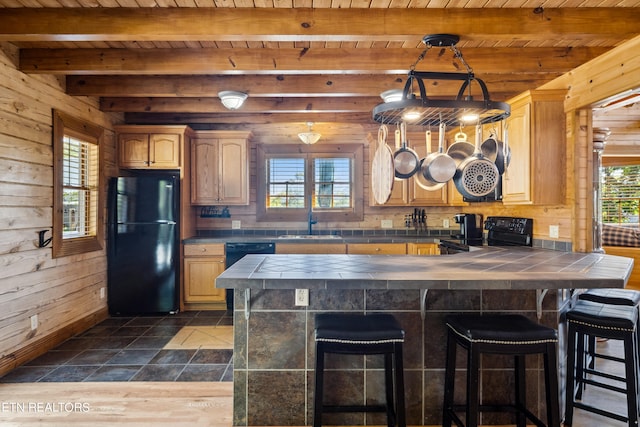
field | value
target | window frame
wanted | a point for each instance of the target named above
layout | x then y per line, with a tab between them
65	124
309	153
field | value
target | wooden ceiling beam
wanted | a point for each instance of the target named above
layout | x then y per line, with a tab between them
501	87
314	24
194	119
253	105
298	61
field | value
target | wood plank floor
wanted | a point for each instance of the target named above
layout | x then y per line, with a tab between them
132	404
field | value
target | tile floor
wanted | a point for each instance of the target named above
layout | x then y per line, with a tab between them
189	346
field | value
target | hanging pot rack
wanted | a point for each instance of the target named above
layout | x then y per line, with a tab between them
431	112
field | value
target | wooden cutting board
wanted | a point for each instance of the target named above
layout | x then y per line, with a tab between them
382	170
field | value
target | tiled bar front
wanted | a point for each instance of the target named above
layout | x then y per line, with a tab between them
274	354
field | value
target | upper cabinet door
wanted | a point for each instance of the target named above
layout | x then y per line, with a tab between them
536	136
204	171
133	149
220	170
164	151
233	178
516	181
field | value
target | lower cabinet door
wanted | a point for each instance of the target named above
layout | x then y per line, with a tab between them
199	279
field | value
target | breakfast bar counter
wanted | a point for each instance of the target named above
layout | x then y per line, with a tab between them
273	337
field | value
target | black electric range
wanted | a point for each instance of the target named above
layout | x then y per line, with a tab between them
501	231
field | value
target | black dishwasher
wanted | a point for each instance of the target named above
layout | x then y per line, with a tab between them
235	251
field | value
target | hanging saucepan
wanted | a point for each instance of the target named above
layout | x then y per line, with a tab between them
489	147
461	148
405	161
421	180
476	176
439	167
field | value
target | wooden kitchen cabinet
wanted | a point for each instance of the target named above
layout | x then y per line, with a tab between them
202	264
377	248
428	249
220	170
151	147
536	136
311	248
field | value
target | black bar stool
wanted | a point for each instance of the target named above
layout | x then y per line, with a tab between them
364	335
589	319
508	334
626	297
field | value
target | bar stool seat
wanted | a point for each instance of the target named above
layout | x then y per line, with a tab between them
588	319
499	334
611	296
363	335
626	297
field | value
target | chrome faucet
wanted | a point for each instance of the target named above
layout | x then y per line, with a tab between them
311	220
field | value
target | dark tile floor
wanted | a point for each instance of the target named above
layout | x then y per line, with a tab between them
131	349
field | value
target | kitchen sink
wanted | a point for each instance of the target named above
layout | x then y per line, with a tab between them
309	237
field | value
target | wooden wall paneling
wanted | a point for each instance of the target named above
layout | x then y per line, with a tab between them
64	292
581	142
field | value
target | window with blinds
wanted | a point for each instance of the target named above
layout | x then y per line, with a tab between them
80	188
620	198
77	206
286	183
330	180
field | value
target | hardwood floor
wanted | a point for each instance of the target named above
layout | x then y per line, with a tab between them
176	403
194	404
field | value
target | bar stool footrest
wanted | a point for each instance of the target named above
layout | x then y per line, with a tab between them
604	385
601	412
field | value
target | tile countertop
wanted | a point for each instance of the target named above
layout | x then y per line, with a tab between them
316	239
482	268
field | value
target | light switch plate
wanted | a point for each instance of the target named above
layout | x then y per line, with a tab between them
235	224
554	231
386	223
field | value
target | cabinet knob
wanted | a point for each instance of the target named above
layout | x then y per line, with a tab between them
377	249
204	249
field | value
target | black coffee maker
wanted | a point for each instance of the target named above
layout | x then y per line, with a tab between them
470	227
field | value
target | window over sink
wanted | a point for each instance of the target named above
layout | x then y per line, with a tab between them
329	176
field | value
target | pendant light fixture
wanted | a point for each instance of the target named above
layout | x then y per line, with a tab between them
309	137
232	99
418	109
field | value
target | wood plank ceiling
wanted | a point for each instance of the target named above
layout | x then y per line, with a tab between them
164	61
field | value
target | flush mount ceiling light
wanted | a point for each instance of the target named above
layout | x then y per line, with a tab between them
310	137
232	99
406	106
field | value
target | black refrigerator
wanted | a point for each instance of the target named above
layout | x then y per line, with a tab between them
143	244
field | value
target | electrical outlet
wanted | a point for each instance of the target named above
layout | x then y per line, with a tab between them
445	223
386	223
235	224
302	297
554	231
102	293
34	322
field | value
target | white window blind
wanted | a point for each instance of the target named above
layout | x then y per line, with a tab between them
620	197
286	181
80	188
332	181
